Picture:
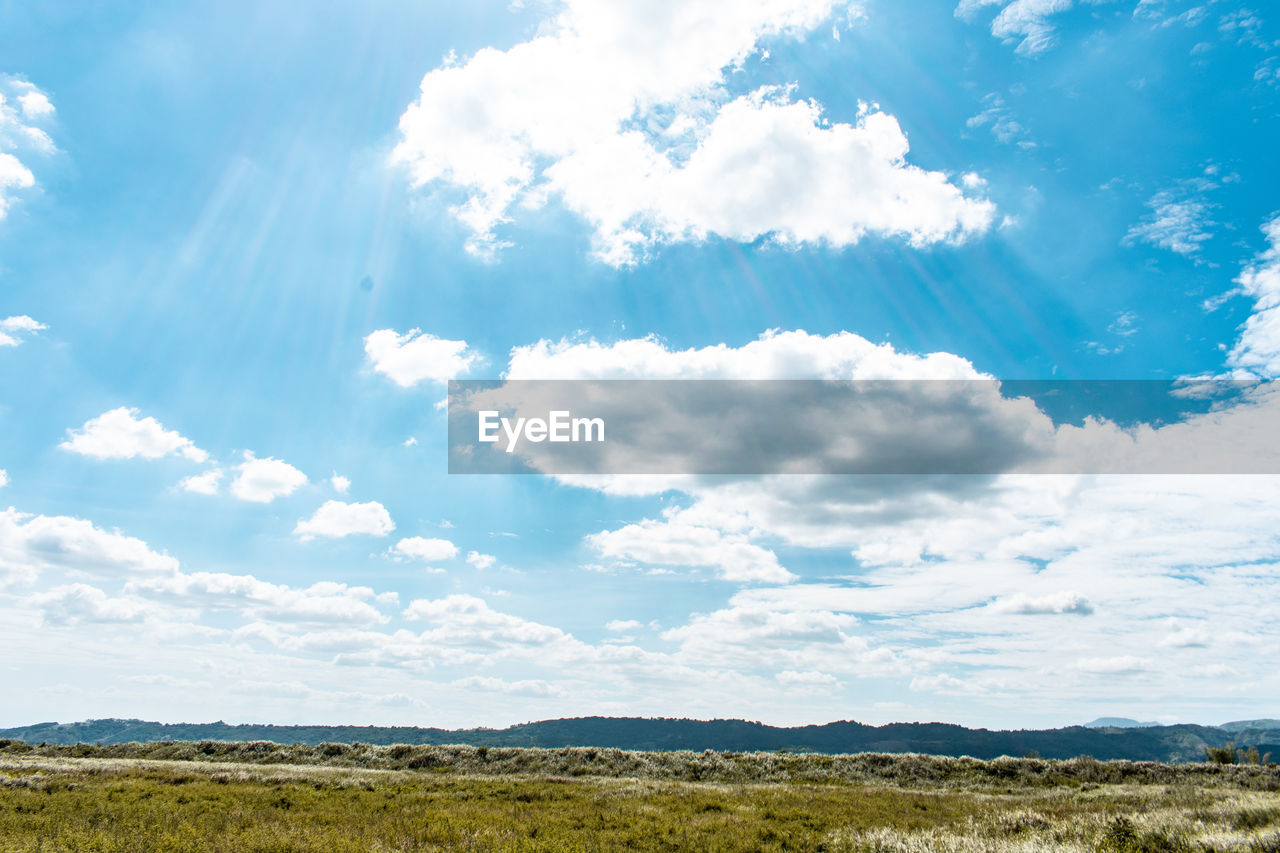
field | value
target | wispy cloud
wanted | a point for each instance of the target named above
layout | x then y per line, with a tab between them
1181	216
24	108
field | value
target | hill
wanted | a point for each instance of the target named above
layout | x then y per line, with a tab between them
1178	743
1118	723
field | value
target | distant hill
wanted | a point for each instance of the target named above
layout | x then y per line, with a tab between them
1251	725
1118	723
1180	743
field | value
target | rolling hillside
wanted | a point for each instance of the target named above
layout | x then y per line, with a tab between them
1179	743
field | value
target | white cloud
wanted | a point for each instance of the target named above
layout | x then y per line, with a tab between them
21	323
1245	26
427	550
674	542
35	104
774	355
205	483
617	626
121	434
1004	126
754	632
465	619
481	561
77	603
1179	221
335	519
323	602
30	544
525	687
1114	665
12	329
20	133
1258	349
4	478
1027	22
624	115
810	679
264	480
941	574
1124	325
340	484
766	166
1189	637
416	356
944	684
950	426
1055	603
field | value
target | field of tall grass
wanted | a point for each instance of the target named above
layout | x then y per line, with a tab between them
213	796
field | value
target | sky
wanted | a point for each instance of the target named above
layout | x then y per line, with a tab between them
244	247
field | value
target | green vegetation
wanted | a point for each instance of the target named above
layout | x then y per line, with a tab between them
1180	743
213	796
1229	754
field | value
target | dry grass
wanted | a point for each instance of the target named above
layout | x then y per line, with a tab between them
52	801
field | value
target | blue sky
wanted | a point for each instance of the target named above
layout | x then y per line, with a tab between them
242	249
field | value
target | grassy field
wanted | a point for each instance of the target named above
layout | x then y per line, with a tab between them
261	797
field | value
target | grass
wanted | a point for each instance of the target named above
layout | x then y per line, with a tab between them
348	798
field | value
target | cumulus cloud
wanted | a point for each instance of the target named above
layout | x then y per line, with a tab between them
977	426
1257	351
766	634
340	484
30	544
4	478
121	434
335	519
774	355
416	356
23	108
732	428
13	330
427	550
624	114
675	542
205	483
766	166
469	627
264	480
860	425
481	561
942	572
